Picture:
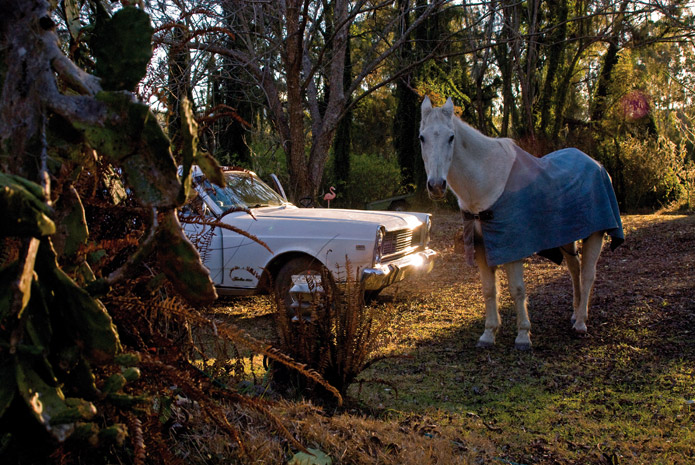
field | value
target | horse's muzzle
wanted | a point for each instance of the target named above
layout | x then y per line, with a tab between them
436	188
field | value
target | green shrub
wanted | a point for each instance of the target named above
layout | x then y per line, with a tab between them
372	177
652	171
268	158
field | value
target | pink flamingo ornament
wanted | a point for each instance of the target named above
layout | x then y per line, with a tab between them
329	196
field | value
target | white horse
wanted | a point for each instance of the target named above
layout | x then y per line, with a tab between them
478	170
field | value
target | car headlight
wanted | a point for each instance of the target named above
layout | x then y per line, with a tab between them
378	245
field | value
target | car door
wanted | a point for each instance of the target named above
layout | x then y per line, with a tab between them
195	217
243	258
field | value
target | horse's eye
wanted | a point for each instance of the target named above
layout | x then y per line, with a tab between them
422	138
451	139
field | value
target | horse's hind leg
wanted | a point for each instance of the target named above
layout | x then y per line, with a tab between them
569	251
591	250
515	276
488	279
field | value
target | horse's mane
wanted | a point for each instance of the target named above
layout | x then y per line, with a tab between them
473	139
476	140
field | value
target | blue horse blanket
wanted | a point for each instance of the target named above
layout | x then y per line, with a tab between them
547	202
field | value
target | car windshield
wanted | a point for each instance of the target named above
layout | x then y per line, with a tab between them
243	190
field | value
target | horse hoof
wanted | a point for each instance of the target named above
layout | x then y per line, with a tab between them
580	333
579	328
484	345
523	346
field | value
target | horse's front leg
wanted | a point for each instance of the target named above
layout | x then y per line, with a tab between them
488	279
515	276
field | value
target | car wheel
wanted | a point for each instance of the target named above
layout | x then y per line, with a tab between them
370	296
300	285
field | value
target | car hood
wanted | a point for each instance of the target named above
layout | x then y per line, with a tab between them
390	220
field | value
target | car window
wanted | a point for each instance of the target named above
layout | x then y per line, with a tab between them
243	190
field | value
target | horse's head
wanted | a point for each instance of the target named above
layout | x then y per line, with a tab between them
437	143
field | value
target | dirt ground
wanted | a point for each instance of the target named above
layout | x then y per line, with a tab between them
654	269
619	395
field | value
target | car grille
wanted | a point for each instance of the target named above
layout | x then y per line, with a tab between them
401	241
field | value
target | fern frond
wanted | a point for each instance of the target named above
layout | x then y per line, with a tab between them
111	246
135	430
212	411
176	307
258	406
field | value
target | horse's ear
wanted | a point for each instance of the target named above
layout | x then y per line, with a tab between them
426	106
448	108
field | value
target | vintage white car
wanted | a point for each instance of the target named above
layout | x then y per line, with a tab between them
381	248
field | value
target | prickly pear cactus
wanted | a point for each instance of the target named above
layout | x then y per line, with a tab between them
129	29
61	358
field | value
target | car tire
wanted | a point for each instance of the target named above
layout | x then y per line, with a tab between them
301	305
370	296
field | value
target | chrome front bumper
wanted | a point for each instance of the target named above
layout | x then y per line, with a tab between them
385	274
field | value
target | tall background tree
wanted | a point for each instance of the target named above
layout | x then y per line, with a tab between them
541	72
295	52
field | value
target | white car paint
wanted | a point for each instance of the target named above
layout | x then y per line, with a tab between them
333	236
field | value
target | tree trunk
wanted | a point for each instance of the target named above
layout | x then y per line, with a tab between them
343	139
562	92
599	102
232	92
525	62
506	70
324	125
405	122
557	39
21	120
610	59
294	147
